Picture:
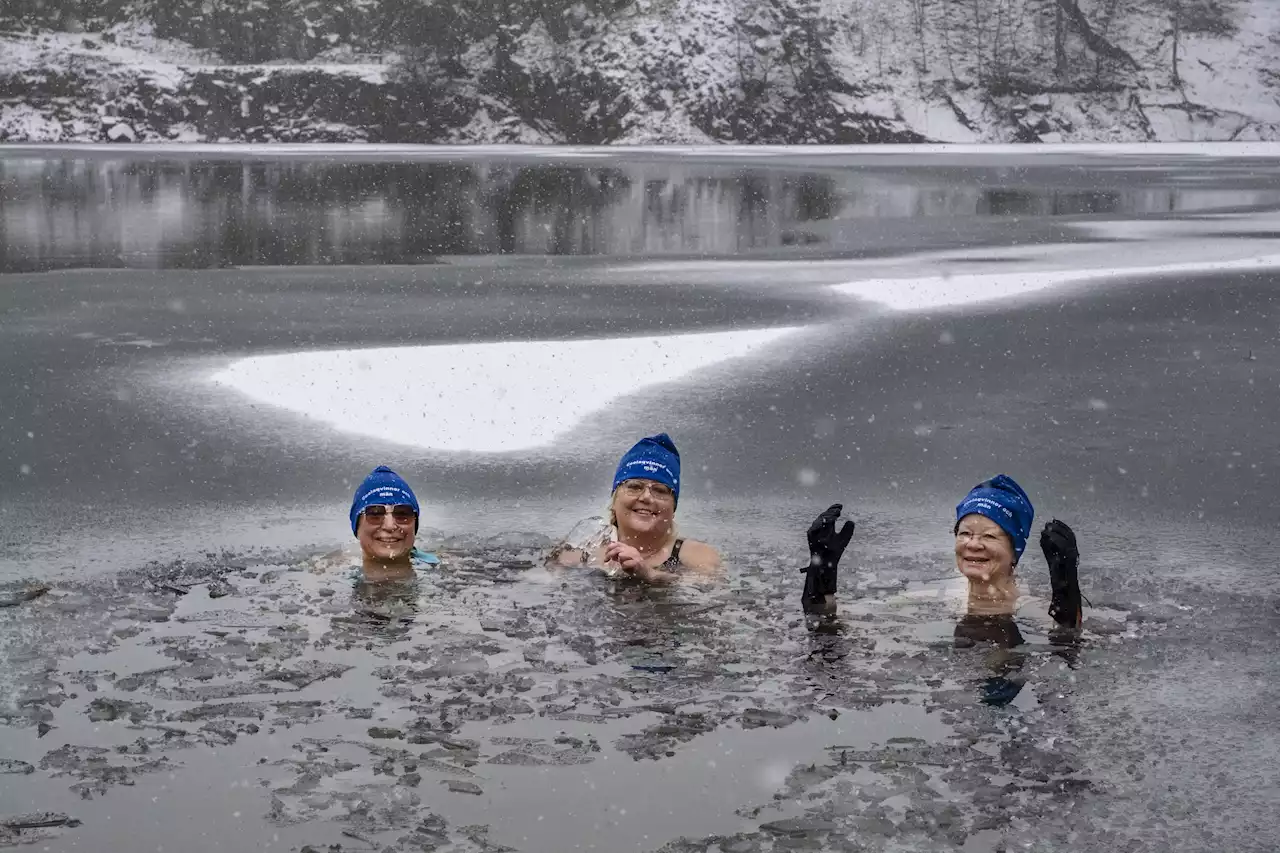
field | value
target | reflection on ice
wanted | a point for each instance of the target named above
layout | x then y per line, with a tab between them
482	397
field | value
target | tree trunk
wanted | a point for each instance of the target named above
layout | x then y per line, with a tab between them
1176	11
946	41
918	14
1059	43
1095	42
977	36
505	45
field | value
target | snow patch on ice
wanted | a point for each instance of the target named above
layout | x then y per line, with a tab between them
922	294
1263	222
482	397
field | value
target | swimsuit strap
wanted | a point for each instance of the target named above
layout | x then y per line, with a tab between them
674	560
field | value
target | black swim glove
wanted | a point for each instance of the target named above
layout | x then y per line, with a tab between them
1058	543
826	547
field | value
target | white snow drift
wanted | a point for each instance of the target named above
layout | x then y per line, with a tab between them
479	397
941	291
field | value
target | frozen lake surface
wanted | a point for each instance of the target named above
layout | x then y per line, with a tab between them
190	345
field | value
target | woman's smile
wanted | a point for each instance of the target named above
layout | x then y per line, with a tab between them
983	550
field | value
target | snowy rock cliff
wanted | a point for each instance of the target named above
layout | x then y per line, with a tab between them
655	71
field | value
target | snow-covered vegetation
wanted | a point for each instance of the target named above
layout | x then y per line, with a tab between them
639	71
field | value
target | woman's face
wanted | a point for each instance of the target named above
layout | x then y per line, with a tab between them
386	532
984	552
644	507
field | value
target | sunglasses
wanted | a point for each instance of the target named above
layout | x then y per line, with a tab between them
400	513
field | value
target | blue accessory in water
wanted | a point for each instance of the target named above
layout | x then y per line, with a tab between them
652	458
382	486
1004	502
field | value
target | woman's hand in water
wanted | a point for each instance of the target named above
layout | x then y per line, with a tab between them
632	563
626	556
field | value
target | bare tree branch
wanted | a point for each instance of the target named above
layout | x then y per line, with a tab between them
1095	42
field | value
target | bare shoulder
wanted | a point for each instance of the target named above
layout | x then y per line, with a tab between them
699	556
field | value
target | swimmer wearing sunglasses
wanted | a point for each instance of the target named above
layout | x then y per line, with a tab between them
384	519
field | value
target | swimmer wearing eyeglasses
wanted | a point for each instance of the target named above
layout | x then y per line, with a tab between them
643	541
992	525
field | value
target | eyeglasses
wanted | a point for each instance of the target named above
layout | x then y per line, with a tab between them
964	537
636	488
400	513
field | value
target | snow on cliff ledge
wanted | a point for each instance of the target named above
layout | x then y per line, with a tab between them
1227	89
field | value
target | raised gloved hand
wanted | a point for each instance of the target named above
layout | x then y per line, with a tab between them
1058	543
826	546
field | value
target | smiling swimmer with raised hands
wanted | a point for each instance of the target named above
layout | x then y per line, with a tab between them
642	540
992	524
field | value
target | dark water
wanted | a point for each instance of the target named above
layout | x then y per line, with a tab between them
155	213
292	709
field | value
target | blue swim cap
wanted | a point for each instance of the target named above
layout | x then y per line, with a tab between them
1004	502
382	486
652	458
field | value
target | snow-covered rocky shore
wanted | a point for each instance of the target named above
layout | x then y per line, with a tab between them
679	71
